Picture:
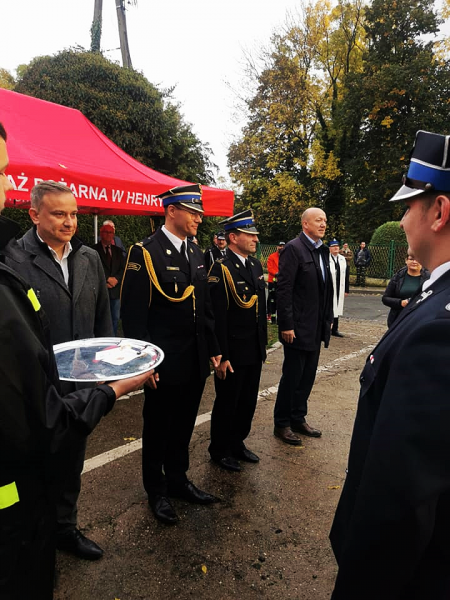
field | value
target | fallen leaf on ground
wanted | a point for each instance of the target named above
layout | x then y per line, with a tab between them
130	439
334	487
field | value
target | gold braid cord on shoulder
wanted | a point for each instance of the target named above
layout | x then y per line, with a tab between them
189	291
229	280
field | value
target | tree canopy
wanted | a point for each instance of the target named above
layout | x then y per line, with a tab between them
137	116
337	100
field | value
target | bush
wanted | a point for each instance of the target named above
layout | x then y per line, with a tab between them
387	232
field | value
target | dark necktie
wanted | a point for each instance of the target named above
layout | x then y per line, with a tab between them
108	255
183	251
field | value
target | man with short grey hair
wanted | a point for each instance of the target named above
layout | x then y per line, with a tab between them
69	282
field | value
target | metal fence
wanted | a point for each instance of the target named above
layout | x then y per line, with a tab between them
386	260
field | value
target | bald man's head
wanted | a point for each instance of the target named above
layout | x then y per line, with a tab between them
314	223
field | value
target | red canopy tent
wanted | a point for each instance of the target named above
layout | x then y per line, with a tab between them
50	141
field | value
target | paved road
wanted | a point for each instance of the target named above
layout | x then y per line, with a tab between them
268	538
366	307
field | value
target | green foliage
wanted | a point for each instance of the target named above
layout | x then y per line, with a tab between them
390	231
336	105
125	106
7	81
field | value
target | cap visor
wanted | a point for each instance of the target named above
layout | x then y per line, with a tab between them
196	207
250	230
406	192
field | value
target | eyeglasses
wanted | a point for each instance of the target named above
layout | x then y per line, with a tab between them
193	214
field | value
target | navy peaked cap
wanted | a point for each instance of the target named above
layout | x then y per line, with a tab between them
429	168
243	221
189	196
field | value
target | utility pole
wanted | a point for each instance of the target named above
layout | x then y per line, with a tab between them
96	27
123	36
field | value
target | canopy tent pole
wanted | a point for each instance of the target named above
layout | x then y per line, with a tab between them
95	229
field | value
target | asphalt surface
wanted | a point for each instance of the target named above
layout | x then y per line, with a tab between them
268	537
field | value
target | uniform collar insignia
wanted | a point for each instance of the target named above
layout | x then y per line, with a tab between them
168	251
424	296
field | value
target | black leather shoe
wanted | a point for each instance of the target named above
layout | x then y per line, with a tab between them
305	429
74	542
190	493
337	334
228	463
246	455
286	435
162	509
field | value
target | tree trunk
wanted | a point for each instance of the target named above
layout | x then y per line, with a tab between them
123	36
96	27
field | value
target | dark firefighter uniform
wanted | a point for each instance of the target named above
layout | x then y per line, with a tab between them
35	423
165	300
239	302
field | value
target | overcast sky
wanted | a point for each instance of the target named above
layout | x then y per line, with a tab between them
197	45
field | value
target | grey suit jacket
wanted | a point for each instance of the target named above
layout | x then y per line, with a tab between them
80	310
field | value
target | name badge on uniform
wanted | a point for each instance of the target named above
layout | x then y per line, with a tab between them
173	268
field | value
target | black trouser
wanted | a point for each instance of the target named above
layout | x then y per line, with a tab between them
272	298
169	419
70	464
360	275
27	549
234	407
335	326
297	380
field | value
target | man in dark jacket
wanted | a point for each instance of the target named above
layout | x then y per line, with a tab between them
392	525
305	316
239	300
362	258
113	262
69	282
166	300
35	423
216	251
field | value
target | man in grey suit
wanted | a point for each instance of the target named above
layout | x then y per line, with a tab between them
69	281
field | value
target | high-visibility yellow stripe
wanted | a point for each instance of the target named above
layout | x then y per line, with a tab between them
33	299
8	495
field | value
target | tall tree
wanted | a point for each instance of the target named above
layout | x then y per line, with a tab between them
96	27
123	32
402	88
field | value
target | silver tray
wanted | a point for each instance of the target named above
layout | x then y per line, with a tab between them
105	359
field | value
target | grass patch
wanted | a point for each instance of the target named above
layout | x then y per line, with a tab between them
272	334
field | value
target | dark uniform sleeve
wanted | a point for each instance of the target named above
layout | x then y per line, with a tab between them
135	296
287	273
402	508
220	307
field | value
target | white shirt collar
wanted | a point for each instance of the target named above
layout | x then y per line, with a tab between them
67	249
435	274
176	241
315	244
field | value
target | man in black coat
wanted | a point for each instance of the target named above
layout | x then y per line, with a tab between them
392	525
166	300
113	263
216	251
362	258
36	423
239	300
69	281
305	316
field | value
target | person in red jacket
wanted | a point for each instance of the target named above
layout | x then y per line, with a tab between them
272	268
